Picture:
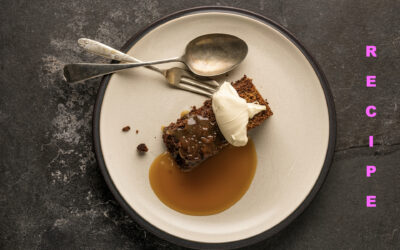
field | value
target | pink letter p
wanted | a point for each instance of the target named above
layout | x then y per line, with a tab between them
370	170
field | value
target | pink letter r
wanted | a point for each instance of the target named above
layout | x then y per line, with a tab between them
368	111
371	201
371	50
370	80
370	170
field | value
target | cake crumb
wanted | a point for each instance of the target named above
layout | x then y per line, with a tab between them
137	131
126	129
185	112
142	148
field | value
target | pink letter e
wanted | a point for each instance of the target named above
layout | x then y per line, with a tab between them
370	80
371	201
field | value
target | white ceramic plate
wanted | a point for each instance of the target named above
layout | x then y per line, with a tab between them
294	146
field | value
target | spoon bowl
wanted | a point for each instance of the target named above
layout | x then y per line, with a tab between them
214	54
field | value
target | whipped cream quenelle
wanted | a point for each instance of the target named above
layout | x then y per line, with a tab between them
233	113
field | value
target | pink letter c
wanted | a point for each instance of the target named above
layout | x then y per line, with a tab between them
368	111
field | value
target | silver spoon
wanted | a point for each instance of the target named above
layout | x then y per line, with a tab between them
207	55
175	76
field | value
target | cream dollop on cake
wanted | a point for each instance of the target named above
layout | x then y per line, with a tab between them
232	114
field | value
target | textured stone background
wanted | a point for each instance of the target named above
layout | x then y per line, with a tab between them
52	194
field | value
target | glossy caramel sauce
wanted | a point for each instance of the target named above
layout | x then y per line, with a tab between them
213	186
198	139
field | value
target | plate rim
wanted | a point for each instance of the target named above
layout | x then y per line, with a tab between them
281	225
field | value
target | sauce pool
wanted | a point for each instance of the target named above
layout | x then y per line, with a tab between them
210	188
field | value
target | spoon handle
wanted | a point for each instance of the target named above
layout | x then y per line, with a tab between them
77	72
106	51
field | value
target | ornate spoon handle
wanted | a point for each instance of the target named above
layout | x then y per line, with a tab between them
106	51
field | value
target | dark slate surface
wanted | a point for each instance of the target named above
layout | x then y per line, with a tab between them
52	194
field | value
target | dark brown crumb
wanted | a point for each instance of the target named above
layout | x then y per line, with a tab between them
142	148
137	131
126	128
